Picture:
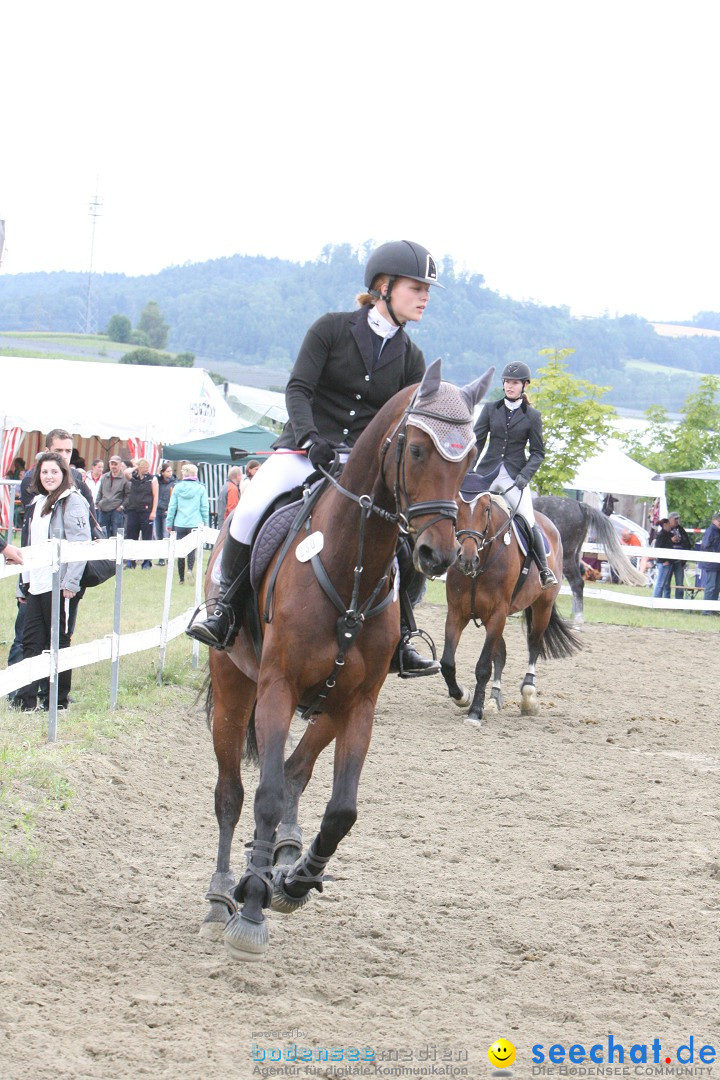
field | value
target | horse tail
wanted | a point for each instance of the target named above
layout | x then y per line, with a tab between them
606	535
558	640
251	753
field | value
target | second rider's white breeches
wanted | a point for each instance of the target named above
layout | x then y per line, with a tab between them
521	501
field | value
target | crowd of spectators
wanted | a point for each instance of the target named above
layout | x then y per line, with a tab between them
59	497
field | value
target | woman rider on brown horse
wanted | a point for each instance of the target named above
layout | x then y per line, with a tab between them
513	424
350	364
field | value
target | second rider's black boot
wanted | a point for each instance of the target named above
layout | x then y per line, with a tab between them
547	578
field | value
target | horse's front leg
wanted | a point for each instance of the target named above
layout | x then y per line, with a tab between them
353	740
298	770
496	694
229	705
455	623
494	630
246	935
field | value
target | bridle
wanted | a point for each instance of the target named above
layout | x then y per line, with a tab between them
482	540
405	511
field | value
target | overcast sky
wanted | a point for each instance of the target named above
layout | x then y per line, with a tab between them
565	149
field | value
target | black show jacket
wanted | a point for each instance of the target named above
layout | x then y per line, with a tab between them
508	441
334	390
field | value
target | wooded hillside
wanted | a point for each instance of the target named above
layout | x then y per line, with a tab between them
247	312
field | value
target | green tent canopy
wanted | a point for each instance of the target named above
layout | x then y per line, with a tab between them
221	449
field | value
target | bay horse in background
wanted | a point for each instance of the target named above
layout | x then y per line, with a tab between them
573	521
487	583
328	639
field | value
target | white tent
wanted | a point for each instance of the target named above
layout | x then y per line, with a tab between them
151	404
611	470
144	407
692	474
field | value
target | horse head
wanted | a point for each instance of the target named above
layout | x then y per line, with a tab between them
435	444
474	531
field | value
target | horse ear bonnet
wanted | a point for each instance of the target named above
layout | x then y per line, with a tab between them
451	426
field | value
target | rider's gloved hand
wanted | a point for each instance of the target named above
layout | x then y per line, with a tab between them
520	482
321	453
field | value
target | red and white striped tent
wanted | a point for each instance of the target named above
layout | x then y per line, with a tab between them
107	408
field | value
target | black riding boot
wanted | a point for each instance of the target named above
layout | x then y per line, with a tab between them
216	624
547	578
407	661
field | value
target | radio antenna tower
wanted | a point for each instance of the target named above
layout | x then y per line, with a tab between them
90	312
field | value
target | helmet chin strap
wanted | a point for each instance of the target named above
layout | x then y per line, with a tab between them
386	300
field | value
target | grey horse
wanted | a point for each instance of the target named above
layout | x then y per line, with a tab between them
573	521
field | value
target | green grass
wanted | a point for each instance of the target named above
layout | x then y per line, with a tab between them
95	347
596	611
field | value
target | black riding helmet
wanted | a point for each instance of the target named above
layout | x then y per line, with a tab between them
516	370
400	258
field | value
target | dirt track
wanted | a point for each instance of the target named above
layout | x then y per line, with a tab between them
546	880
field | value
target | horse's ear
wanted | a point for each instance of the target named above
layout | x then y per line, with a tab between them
474	392
431	381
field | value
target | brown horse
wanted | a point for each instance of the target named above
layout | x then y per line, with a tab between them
487	583
330	640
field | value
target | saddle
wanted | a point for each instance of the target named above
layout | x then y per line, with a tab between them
287	510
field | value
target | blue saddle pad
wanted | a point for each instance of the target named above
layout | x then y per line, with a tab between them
270	536
522	541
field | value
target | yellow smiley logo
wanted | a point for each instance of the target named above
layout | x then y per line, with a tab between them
501	1053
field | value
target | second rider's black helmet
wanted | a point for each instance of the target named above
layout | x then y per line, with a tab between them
516	370
402	258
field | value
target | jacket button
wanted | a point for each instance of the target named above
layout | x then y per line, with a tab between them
346	431
352	412
367	378
358	397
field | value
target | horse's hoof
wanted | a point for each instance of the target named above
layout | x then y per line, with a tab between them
529	704
464	700
497	699
245	940
282	901
474	721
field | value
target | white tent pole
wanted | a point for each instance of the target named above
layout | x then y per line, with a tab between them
169	571
54	643
117	613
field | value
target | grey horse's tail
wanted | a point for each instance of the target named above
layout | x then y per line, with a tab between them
605	534
559	640
250	752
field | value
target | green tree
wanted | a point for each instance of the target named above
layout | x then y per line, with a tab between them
574	421
693	443
151	324
119	328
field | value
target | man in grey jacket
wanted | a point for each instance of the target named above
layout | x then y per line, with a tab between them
112	493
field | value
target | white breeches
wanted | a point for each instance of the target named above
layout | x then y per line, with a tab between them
517	500
280	472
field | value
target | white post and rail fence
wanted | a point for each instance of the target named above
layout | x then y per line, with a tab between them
115	645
